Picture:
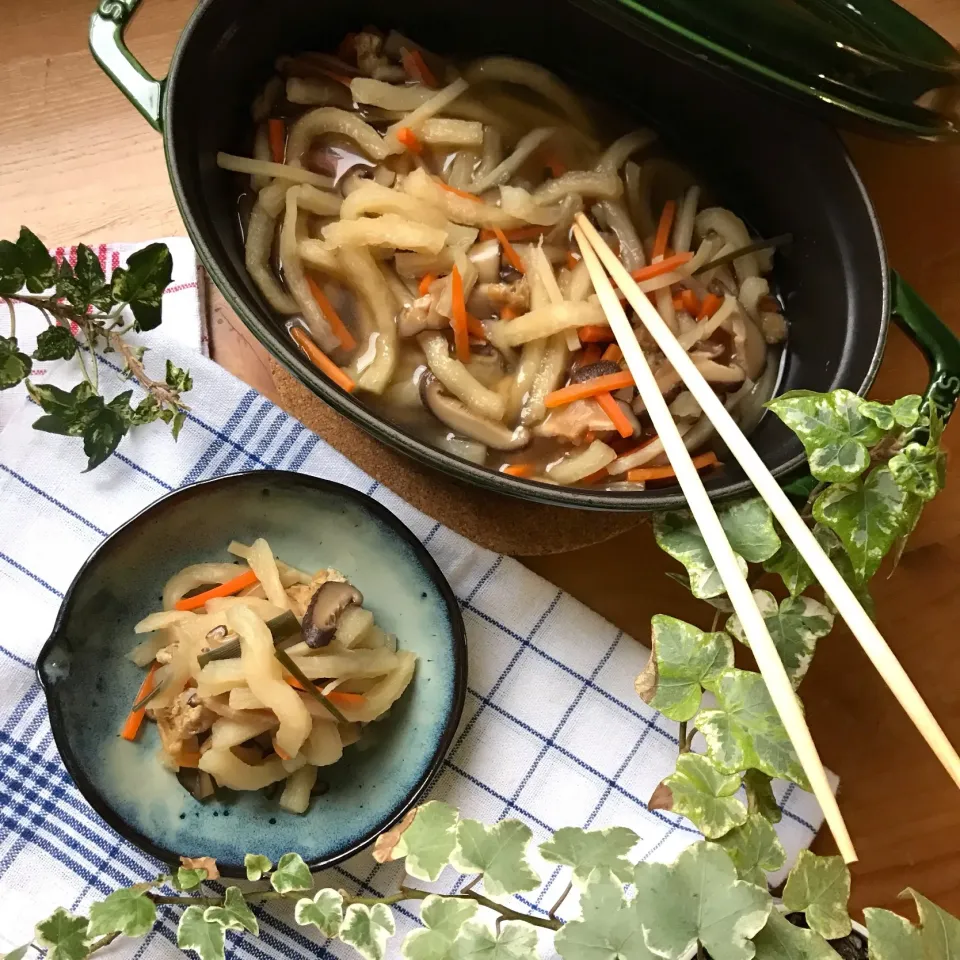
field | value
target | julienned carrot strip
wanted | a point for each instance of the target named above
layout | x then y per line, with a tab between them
475	328
132	725
589	388
677	304
425	282
410	140
246	579
572	260
594	333
340	331
277	131
643	474
612	409
661	267
461	335
456	192
711	304
691	302
519	469
589	354
342	699
508	313
517	234
595	477
320	360
508	251
333	75
417	68
613	353
664	228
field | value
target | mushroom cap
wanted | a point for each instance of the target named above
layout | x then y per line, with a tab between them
320	620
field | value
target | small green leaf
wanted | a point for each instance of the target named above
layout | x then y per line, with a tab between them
102	436
793	569
498	852
678	535
834	550
87	269
749	527
586	850
256	863
906	410
324	911
683	660
189	878
35	261
426	836
744	731
781	940
701	793
11	268
15	366
609	928
892	937
235	914
819	887
127	911
795	625
367	929
292	874
76	408
64	936
516	941
179	380
699	898
834	431
205	937
176	424
142	282
868	516
939	931
920	469
55	343
17	953
442	918
760	798
755	849
879	413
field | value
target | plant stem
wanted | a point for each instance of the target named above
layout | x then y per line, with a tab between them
103	941
13	317
91	343
684	746
505	912
471	884
563	896
156	388
700	953
807	511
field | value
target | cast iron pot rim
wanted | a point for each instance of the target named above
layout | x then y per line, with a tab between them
256	478
283	349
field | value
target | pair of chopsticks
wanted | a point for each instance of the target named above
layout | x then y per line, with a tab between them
594	250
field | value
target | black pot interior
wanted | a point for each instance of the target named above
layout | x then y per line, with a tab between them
783	171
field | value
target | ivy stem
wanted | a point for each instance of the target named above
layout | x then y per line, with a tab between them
103	942
700	953
91	344
563	896
807	511
472	883
546	922
13	317
682	734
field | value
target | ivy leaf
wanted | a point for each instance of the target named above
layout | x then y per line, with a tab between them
324	911
11	268
893	938
834	550
256	864
834	431
73	409
682	661
749	527
89	275
195	932
102	436
755	849
38	267
678	535
142	282
795	625
586	850
879	413
55	343
698	791
609	928
176	424
179	380
292	874
189	878
15	366
442	918
125	911
819	887
367	929
760	798
867	516
699	898
235	914
18	953
939	931
426	836
64	936
515	941
906	410
498	852
793	569
920	469
744	731
781	940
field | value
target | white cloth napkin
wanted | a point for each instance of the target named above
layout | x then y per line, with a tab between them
553	732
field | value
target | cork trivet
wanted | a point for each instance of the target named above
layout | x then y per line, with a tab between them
502	524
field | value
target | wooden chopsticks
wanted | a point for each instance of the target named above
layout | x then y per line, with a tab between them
764	651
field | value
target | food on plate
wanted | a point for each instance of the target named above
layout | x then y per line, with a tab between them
259	674
408	217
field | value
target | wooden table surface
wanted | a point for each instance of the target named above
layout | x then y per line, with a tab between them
78	164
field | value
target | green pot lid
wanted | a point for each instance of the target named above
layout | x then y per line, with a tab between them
864	60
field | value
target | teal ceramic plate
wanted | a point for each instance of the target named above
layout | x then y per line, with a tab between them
311	523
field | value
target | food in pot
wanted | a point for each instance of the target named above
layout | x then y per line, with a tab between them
259	674
410	219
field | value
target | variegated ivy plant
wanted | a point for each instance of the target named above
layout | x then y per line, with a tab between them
873	467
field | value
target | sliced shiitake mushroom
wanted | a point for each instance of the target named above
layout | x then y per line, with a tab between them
320	620
591	371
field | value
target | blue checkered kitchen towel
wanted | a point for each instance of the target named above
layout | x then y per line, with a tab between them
553	732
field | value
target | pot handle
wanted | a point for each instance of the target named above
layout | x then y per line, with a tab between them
107	27
935	339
